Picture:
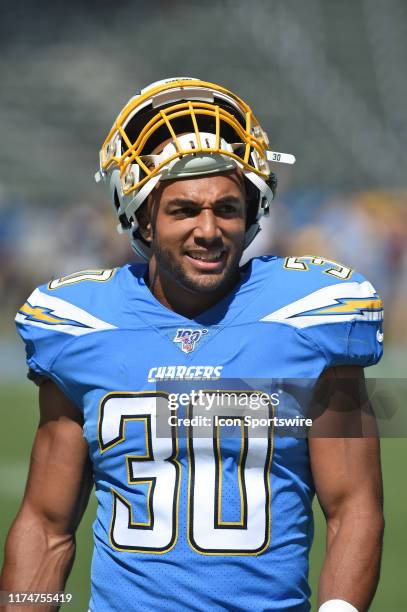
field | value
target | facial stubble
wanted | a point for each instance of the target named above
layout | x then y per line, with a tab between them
201	282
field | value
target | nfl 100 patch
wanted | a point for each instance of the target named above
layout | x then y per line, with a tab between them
188	338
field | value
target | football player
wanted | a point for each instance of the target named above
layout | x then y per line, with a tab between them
195	522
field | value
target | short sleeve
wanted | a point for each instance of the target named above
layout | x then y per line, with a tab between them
37	325
47	323
346	323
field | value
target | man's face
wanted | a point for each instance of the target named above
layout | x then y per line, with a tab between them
197	231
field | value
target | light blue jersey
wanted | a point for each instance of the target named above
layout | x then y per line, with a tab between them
197	523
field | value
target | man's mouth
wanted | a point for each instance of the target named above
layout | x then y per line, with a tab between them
207	260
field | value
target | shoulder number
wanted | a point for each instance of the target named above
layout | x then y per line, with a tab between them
333	268
100	276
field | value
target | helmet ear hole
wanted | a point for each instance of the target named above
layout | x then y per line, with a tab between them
124	221
116	200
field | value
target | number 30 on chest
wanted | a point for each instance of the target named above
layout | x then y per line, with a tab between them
159	470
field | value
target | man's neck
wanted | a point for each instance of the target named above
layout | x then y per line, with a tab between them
181	300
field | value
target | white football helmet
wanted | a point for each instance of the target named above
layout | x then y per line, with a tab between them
208	129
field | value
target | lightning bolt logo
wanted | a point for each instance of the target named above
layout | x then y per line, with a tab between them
346	306
41	314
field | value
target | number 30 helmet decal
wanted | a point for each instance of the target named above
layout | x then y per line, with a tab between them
206	130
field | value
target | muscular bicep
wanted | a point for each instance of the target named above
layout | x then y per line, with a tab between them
60	476
346	467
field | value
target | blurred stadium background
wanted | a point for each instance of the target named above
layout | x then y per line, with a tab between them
327	78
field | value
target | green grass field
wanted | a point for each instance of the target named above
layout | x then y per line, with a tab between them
19	410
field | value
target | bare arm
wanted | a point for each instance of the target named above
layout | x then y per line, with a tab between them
348	483
40	547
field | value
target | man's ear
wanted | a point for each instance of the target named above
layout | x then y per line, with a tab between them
143	216
147	214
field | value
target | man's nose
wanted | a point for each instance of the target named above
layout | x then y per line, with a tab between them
207	228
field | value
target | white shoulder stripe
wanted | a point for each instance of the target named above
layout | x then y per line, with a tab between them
77	321
347	297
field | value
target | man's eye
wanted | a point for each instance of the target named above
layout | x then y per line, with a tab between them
227	209
185	211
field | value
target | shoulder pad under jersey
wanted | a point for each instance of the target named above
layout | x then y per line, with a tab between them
59	311
333	306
